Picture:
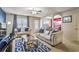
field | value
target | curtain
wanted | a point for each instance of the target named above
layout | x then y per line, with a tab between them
14	23
28	21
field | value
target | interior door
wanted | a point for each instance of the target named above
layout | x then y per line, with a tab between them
77	21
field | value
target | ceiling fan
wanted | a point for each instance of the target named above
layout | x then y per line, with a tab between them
35	11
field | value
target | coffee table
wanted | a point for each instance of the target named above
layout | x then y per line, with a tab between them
32	44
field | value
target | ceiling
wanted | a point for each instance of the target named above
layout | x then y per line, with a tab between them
45	11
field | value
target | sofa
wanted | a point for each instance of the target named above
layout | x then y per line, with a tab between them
5	42
53	39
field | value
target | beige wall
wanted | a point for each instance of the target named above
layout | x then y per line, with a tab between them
9	18
69	29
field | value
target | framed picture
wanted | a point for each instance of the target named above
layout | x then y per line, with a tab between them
67	19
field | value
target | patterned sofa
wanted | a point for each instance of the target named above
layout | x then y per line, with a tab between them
5	42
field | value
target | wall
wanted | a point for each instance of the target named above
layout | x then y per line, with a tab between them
69	29
9	18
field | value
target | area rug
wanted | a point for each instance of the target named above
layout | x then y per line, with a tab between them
20	47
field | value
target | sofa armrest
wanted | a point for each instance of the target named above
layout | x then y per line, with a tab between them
57	37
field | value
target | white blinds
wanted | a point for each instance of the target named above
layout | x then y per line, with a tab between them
21	21
36	24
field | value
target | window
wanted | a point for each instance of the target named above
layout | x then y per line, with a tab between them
21	21
46	23
36	24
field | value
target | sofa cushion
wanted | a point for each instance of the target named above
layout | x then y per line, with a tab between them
45	36
41	31
46	32
19	29
26	29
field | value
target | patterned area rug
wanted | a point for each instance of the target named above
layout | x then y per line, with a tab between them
41	48
20	47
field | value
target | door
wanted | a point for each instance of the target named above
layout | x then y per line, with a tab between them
77	22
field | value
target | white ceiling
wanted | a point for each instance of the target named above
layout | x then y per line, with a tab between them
46	11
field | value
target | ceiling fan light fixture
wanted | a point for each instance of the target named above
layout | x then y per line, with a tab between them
35	10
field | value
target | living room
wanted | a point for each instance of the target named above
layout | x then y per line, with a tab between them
41	29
